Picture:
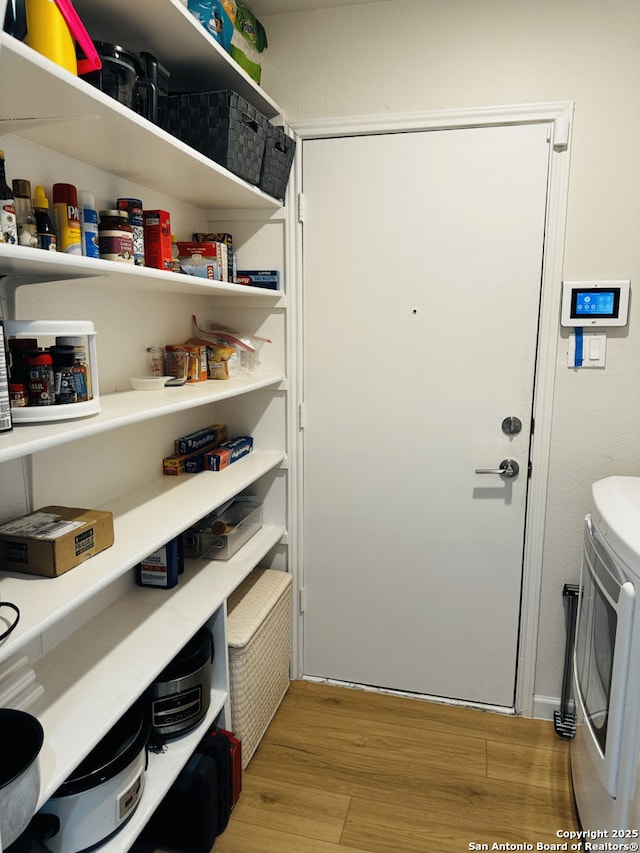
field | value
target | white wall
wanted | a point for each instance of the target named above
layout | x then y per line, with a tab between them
419	55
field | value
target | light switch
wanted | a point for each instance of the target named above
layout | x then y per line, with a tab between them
594	350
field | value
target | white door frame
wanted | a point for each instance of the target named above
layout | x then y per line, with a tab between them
558	116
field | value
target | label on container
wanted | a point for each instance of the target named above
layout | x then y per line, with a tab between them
5	403
89	227
68	219
116	246
8	224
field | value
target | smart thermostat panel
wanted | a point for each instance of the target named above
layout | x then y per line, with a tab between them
595	303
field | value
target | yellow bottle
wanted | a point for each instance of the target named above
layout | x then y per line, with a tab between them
49	34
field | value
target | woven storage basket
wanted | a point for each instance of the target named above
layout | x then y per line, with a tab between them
276	165
259	639
222	126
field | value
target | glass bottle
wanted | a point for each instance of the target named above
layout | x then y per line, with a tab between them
8	226
41	380
45	232
26	222
64	382
81	374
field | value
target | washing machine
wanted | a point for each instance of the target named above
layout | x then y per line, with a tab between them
605	752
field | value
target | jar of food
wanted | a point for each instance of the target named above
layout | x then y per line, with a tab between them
41	379
18	395
64	385
115	236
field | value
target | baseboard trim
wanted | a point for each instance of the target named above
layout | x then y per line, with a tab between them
544	707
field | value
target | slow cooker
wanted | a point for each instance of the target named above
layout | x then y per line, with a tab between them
105	789
181	694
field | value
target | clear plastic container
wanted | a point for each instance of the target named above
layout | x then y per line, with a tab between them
220	537
46	332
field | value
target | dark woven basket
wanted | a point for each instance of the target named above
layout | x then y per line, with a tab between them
222	126
276	165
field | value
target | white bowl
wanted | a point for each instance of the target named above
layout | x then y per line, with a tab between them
149	383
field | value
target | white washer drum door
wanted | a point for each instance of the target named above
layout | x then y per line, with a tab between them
603	648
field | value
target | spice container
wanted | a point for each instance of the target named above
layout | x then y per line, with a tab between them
76	339
115	236
81	374
133	207
64	385
41	379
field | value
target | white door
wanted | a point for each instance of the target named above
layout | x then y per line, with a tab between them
422	278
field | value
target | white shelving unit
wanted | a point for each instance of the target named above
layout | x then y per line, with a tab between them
123	635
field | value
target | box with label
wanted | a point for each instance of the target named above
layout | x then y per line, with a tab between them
260	278
205	260
157	239
198	440
219	237
54	539
227	453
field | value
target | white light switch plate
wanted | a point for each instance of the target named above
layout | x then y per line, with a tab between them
594	349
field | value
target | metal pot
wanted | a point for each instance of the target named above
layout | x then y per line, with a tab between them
21	739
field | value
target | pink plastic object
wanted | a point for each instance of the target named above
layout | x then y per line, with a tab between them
79	33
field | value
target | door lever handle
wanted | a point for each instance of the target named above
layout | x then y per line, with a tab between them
509	469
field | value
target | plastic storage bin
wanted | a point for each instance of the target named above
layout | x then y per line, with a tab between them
242	519
46	331
259	640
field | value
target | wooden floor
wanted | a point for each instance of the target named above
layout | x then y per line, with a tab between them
348	770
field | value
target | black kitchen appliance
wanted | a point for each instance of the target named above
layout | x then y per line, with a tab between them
181	694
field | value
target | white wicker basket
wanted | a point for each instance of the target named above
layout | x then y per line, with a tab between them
259	639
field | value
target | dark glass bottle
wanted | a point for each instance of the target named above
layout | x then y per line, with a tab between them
8	224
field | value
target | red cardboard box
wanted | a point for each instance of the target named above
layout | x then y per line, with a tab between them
157	239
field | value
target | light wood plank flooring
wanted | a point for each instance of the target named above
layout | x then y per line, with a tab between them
349	771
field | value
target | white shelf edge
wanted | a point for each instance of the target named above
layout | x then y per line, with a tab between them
89	670
171	503
141	23
22	262
155	159
123	408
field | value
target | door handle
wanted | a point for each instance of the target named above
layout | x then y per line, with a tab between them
509	469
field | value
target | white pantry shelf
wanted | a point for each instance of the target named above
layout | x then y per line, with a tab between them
24	264
123	408
144	519
195	60
93	675
63	112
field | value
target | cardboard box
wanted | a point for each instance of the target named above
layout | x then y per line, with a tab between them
199	439
157	239
203	259
219	237
54	539
227	453
260	278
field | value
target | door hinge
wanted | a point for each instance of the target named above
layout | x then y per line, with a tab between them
529	469
301	599
300	207
301	416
